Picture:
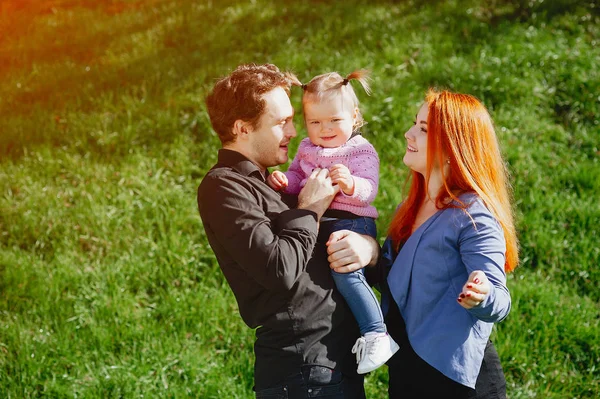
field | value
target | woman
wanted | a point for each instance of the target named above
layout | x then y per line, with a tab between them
449	247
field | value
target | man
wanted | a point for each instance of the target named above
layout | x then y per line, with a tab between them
269	252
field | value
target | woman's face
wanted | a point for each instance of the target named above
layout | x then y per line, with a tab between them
416	142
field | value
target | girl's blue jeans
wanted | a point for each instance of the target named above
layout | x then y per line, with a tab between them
353	286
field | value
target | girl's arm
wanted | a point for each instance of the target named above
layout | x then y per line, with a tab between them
364	168
295	174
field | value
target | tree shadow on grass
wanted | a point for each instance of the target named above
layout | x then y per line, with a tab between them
206	43
164	80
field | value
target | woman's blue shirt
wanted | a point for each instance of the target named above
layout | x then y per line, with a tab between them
427	275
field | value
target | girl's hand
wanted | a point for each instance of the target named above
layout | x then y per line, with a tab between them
475	290
341	176
277	180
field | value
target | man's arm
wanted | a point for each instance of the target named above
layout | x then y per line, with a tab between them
318	192
274	253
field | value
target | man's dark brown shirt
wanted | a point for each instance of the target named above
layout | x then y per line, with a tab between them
277	271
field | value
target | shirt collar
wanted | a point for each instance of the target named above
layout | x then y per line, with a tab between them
240	163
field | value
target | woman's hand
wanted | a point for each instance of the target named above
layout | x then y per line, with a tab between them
349	251
475	290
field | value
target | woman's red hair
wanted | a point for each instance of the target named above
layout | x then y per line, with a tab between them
460	128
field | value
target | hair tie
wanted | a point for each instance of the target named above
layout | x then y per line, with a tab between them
304	87
345	81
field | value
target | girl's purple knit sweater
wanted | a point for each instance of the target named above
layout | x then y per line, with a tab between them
358	155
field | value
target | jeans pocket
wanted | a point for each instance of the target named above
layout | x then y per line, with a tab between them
332	391
280	392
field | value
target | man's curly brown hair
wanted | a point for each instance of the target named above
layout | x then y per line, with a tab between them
239	96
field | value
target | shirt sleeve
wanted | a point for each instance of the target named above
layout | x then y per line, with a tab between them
273	252
483	247
377	275
364	168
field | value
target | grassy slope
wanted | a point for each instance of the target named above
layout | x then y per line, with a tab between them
108	285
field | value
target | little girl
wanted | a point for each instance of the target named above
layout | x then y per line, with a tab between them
334	142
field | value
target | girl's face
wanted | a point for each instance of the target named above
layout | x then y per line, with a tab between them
416	146
329	122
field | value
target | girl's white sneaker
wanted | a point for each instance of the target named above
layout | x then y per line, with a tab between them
373	350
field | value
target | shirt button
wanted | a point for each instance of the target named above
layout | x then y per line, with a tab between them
309	390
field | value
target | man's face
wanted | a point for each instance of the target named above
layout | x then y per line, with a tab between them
269	140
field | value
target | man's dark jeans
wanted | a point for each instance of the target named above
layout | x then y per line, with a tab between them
316	382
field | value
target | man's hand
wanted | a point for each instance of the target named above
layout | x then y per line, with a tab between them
341	176
475	290
277	180
349	251
318	192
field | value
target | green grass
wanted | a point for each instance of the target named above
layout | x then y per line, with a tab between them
108	287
